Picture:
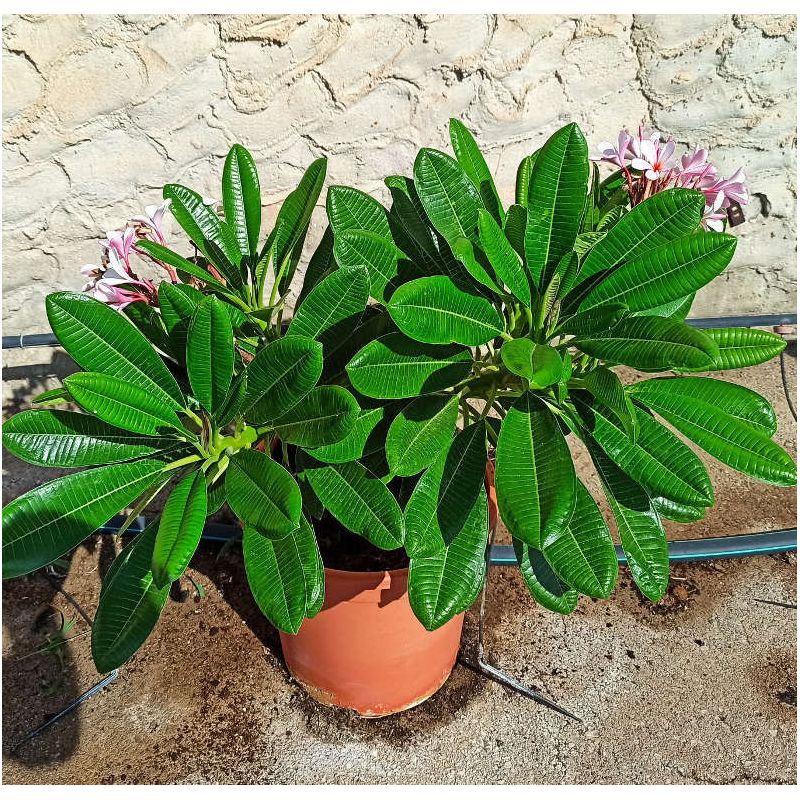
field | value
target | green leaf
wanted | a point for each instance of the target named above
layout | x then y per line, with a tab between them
342	295
351	209
650	343
420	432
100	339
514	229
435	311
68	439
544	585
471	258
473	163
678	512
557	196
180	529
263	493
410	227
597	320
743	347
381	258
607	389
280	376
449	197
120	403
662	218
675	309
445	495
209	354
658	460
639	527
209	233
362	504
446	583
535	475
321	264
233	402
241	199
744	404
130	604
341	342
540	364
503	258
394	367
324	416
286	576
161	253
523	182
150	323
666	273
736	443
583	554
355	444
52	397
47	522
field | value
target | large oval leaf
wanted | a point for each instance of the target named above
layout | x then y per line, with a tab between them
130	604
362	504
669	272
664	217
471	160
557	196
209	354
100	339
444	497
446	583
606	388
503	258
380	256
241	198
544	585
324	416
650	343
263	493
357	442
120	403
180	529
47	522
583	554
420	432
68	439
539	364
743	347
351	209
535	476
286	576
435	311
394	367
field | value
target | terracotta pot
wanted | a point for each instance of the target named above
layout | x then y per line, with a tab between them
365	650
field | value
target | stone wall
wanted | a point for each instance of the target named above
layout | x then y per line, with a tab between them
100	111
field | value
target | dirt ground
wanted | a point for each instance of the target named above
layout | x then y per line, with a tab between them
700	688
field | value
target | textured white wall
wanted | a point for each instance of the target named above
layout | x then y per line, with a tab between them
100	112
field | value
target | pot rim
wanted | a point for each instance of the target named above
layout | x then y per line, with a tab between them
352	574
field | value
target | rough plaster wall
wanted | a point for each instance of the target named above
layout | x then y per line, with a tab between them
100	111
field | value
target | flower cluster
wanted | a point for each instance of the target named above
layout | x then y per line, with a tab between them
114	281
651	165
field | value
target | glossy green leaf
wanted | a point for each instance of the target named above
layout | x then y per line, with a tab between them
324	416
435	311
351	209
607	389
523	181
420	432
355	444
650	343
52	397
161	253
665	273
362	504
180	529
343	295
544	585
395	367
678	512
47	522
446	583
662	218
675	309
583	554
209	354
263	493
739	444
514	229
281	375
68	439
557	196
449	197
233	402
540	364
285	575
241	198
100	339
320	265
535	475
341	342
474	262
381	257
598	320
130	604
658	460
474	164
503	258
639	527
445	495
202	225
121	404
743	347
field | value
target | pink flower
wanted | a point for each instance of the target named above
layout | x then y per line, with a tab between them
109	292
733	189
713	216
655	158
615	154
696	165
118	245
149	224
